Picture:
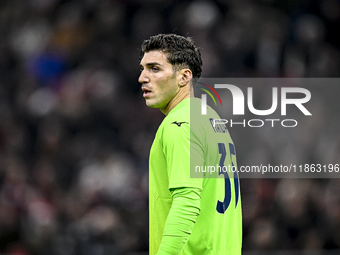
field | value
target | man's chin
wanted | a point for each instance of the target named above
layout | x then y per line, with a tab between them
151	104
154	105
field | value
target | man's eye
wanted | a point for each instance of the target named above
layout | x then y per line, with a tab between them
155	69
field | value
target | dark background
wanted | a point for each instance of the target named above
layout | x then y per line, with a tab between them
75	132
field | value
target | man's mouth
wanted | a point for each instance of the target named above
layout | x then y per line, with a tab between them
146	92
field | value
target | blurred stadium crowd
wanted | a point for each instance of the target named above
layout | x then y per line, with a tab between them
75	132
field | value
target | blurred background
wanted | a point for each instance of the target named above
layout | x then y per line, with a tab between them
75	132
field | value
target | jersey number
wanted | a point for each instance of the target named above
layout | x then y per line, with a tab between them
223	206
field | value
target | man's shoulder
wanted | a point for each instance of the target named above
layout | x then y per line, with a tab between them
187	116
177	118
176	122
180	114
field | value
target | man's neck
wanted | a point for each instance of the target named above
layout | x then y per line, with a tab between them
179	97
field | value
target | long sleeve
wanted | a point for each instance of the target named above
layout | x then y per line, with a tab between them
180	221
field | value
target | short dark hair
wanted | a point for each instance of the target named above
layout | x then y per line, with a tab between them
181	51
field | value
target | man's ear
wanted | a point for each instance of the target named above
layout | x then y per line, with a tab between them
185	77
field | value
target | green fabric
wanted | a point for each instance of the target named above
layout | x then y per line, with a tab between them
185	141
180	221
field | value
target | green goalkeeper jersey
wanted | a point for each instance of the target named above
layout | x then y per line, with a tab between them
190	150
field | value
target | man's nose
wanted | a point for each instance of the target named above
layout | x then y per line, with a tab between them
142	77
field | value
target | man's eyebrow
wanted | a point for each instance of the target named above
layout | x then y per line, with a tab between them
151	64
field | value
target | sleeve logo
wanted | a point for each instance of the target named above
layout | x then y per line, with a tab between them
179	123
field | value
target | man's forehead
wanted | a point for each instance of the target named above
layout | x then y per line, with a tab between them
154	57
